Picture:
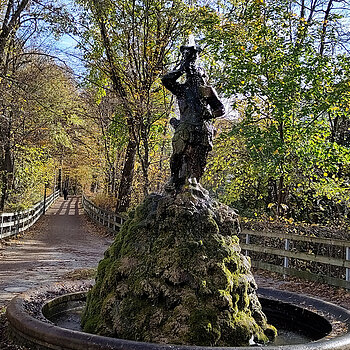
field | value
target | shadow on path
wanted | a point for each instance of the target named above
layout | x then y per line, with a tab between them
59	242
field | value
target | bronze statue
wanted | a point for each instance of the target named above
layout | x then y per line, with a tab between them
198	104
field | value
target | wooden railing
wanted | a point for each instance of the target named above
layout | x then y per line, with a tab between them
325	260
104	217
15	223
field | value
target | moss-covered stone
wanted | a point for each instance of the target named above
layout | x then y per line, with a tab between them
175	274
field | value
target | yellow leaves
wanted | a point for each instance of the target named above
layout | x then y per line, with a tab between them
275	152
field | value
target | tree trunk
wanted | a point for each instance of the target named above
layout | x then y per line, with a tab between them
146	182
113	180
271	191
10	23
124	192
162	155
324	27
7	176
145	160
280	197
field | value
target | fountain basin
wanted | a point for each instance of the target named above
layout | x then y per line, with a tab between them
29	314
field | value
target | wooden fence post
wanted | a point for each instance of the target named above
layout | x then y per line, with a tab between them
286	259
1	228
18	217
247	241
44	205
347	257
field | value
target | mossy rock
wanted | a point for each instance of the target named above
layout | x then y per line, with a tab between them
175	274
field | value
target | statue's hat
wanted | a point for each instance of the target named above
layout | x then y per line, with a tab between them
194	48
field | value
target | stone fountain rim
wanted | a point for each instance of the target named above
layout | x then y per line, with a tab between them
35	330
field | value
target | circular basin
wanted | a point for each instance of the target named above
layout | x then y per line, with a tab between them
321	324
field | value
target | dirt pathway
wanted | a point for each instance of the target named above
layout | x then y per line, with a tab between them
61	241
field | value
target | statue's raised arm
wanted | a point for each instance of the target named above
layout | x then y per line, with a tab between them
169	80
198	104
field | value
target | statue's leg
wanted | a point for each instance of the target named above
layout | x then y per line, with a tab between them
198	161
174	166
190	161
178	169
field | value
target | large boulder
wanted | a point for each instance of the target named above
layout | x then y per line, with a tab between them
175	274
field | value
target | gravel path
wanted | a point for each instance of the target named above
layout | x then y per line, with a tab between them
61	241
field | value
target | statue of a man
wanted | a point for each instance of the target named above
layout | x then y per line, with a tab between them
198	104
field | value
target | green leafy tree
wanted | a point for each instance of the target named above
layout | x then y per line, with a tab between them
21	22
278	59
42	113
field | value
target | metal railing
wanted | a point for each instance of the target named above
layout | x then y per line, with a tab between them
14	223
104	217
325	260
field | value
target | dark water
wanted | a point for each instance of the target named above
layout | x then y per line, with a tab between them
286	337
70	319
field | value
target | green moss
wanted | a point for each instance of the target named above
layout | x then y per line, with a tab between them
103	265
91	316
271	332
203	327
134	313
175	274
